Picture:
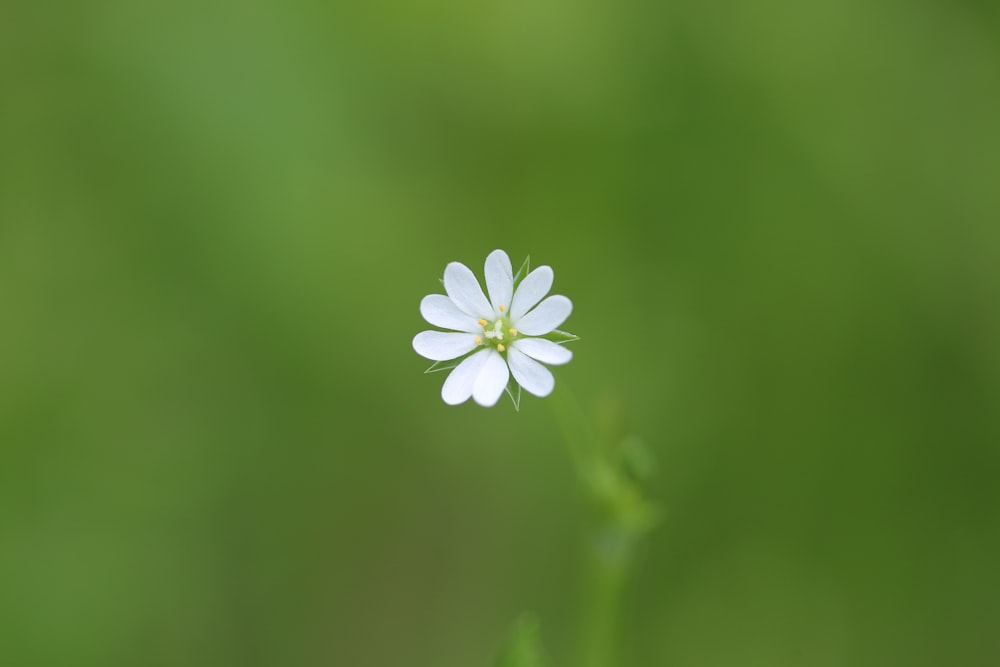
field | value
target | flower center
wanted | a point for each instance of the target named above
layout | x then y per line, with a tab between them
496	334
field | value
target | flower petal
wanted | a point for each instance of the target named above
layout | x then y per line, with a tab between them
547	316
530	374
531	290
458	386
491	381
499	279
443	345
463	288
442	312
543	350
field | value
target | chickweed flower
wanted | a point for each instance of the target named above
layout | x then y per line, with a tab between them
507	334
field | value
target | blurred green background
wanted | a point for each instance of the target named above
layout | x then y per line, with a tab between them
779	223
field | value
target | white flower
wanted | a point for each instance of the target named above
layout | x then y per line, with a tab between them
501	332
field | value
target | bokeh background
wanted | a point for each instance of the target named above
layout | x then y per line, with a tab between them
779	223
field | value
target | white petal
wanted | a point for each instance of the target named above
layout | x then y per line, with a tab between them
463	288
547	316
442	312
491	381
531	290
530	374
443	345
543	350
458	387
499	279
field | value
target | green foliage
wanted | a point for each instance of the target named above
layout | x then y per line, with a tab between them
523	647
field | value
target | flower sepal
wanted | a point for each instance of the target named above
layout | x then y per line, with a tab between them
560	337
513	390
439	366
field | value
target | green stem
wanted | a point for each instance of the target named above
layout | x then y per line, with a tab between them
608	571
611	531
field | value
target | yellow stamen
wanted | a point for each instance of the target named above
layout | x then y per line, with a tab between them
479	340
502	308
482	322
513	332
500	347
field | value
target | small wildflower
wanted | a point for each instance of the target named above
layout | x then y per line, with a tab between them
501	335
